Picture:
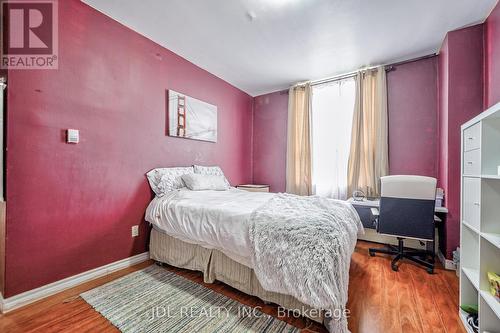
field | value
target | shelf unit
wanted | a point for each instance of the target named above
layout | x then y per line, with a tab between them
480	217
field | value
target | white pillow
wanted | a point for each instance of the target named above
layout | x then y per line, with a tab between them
199	182
163	180
210	170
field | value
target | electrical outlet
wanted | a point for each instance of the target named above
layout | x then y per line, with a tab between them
72	136
135	230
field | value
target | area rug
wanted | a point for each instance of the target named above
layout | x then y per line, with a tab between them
157	300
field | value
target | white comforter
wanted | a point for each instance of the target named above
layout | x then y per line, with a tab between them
303	247
212	219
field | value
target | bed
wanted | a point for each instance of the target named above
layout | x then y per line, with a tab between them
225	235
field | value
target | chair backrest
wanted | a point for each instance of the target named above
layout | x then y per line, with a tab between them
407	206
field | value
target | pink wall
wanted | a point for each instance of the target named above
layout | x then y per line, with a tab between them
492	58
412	110
461	98
71	207
269	140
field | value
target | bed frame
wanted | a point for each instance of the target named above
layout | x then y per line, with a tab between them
215	265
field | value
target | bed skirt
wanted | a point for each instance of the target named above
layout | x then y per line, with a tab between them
217	266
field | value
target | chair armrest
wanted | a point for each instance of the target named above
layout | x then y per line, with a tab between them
375	211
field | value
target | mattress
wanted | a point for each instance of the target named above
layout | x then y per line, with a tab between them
212	219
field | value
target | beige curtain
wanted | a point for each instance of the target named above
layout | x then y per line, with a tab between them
298	153
368	158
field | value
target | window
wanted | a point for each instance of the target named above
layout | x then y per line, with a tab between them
332	112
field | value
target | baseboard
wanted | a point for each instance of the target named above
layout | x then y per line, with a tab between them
447	263
30	296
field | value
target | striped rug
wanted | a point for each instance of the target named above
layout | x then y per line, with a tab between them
156	300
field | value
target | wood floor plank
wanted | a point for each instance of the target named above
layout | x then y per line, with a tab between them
426	307
446	300
356	295
380	300
371	318
408	312
389	306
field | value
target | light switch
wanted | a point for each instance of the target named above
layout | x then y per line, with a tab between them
72	136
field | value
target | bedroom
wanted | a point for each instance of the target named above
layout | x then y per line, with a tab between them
153	150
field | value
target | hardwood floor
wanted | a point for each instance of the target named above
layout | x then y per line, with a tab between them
410	300
380	300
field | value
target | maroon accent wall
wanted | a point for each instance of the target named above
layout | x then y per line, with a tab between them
492	58
412	112
71	207
269	140
461	68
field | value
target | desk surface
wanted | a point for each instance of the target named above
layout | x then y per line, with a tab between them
376	203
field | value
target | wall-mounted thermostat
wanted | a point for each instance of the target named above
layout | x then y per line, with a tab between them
73	136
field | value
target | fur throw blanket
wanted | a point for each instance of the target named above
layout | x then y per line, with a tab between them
302	247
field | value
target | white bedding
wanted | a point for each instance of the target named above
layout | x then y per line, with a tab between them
212	219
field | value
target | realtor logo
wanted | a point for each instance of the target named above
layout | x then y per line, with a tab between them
29	34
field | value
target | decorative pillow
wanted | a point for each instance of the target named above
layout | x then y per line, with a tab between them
199	182
210	170
163	180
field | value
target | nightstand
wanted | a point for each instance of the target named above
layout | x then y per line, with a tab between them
253	187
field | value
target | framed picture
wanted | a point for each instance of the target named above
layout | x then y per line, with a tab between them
191	118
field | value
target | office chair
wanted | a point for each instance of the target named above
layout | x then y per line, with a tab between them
407	211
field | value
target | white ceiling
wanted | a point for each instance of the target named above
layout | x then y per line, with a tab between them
262	46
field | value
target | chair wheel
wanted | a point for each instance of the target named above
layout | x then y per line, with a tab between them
430	270
394	267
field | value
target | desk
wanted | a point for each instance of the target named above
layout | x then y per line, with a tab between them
364	211
376	204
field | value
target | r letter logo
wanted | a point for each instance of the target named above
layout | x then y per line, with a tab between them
29	34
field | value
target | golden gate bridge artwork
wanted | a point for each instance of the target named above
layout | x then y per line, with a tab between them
191	118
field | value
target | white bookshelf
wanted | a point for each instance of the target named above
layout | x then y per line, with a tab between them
480	217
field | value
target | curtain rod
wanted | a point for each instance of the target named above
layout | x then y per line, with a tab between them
389	67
